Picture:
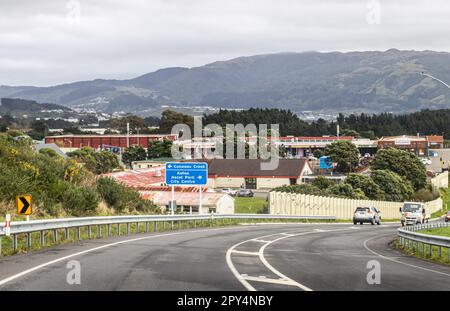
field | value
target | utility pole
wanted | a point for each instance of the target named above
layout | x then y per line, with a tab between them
128	134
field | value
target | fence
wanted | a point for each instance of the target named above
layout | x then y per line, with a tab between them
440	181
159	223
309	205
410	239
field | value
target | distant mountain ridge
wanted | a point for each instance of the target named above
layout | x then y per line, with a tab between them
372	81
19	107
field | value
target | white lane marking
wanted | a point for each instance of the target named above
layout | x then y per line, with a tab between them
401	262
261	241
25	272
269	280
245	253
243	278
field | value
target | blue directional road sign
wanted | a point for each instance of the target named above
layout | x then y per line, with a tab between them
186	173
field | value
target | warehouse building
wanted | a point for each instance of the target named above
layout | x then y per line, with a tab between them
121	141
247	173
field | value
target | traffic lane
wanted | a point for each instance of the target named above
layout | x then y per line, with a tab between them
189	260
338	261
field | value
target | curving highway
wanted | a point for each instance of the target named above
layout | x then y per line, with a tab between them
254	257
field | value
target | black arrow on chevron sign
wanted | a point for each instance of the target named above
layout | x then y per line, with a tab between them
25	203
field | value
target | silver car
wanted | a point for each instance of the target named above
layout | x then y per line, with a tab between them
367	214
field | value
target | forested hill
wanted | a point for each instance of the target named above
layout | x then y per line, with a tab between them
371	82
425	122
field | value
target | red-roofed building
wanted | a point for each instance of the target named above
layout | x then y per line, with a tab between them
99	141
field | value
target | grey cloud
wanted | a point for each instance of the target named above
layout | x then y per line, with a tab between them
121	39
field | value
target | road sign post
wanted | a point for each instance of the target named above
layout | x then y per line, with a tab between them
187	174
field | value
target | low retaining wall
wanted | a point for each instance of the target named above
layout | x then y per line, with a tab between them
440	181
283	203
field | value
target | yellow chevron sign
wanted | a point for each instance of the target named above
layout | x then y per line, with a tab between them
24	205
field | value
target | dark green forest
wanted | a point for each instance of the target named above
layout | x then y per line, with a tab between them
425	122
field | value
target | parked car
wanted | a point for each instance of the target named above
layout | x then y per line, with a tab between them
367	214
245	193
447	217
229	191
425	161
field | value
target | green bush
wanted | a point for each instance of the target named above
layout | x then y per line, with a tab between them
80	201
122	198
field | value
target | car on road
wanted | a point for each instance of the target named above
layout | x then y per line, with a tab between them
367	215
245	193
413	213
447	217
425	161
229	191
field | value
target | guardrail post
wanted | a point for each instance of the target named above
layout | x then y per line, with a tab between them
0	245
78	233
99	231
137	228
89	232
195	223
440	251
431	250
156	226
164	226
147	229
171	225
14	242
109	230
118	229
66	237
128	228
55	235
28	241
42	238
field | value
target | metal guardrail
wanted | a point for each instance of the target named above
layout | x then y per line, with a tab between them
410	238
159	223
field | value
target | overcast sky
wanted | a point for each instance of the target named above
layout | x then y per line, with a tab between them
46	42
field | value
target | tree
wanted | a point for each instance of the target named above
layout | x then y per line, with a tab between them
39	130
395	187
322	182
346	191
133	153
344	153
135	122
404	163
98	162
303	189
366	184
159	149
169	118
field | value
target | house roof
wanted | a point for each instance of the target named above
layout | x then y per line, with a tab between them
435	138
183	198
52	146
289	168
139	179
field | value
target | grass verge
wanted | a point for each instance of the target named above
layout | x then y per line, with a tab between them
250	205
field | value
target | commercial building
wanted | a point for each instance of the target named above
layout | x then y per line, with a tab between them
248	173
100	141
419	145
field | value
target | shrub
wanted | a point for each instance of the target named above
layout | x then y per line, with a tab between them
80	201
122	198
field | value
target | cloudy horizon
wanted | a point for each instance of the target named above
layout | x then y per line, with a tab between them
49	42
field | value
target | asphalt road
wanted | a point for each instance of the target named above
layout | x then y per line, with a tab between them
259	257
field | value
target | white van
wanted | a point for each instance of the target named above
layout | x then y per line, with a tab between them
413	213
